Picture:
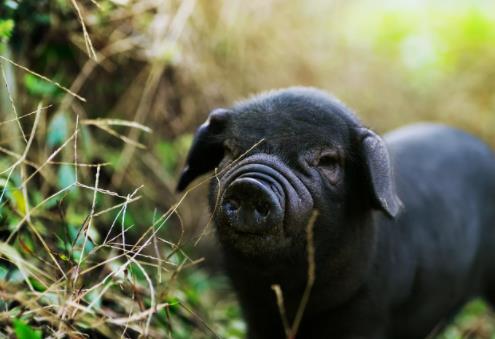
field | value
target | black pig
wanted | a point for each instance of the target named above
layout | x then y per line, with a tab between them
405	233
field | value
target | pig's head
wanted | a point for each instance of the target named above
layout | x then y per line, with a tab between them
280	156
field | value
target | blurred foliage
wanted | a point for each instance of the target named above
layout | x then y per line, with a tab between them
6	27
164	65
24	331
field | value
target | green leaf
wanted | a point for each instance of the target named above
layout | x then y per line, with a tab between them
38	286
73	233
6	28
39	87
66	176
18	199
58	130
24	331
3	272
94	297
136	272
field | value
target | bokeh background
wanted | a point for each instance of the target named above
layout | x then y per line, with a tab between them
93	238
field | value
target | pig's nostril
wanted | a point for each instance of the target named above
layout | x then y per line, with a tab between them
250	205
263	209
231	205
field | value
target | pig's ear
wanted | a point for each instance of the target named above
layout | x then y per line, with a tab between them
379	173
207	148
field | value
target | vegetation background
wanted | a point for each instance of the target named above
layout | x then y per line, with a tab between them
98	103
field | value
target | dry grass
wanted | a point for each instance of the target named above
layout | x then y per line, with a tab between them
89	283
67	296
291	330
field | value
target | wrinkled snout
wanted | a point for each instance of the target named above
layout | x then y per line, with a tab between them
253	205
262	198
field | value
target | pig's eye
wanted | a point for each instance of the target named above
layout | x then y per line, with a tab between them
328	160
328	164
